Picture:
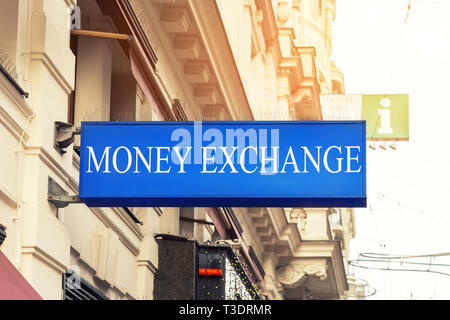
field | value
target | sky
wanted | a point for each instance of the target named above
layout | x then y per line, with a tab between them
408	188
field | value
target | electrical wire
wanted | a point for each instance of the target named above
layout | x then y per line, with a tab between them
377	258
383	196
384	256
354	263
394	64
433	2
372	291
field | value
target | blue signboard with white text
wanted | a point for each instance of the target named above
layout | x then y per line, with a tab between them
223	164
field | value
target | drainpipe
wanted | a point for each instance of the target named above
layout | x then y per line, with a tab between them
18	218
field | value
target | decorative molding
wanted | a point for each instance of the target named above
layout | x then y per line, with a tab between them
268	240
197	72
264	231
213	35
105	255
214	112
186	47
125	217
44	257
106	220
260	221
12	126
283	12
49	160
294	275
136	16
175	20
282	251
206	94
269	22
103	217
173	68
298	216
257	35
9	198
53	69
148	264
164	1
76	161
178	110
255	212
273	285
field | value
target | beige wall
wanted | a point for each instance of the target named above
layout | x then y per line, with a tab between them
111	251
234	69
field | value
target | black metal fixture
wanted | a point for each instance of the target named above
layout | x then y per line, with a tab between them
22	92
64	135
188	270
2	234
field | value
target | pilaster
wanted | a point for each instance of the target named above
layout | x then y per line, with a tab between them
51	76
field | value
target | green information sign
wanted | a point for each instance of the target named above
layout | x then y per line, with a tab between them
387	116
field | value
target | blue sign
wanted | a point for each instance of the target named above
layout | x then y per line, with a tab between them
223	164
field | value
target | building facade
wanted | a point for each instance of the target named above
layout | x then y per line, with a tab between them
183	60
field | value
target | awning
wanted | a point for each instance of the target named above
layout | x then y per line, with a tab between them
13	285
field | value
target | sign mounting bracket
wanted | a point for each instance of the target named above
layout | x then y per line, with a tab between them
58	196
64	135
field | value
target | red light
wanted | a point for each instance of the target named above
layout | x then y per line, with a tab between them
210	272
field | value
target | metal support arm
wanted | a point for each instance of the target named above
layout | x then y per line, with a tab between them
58	196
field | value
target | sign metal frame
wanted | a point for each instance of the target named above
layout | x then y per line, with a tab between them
247	199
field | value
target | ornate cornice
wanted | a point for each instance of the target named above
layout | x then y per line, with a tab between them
294	275
44	257
136	14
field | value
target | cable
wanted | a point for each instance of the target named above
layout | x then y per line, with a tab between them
401	263
433	2
371	255
382	196
372	291
377	258
394	64
352	263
